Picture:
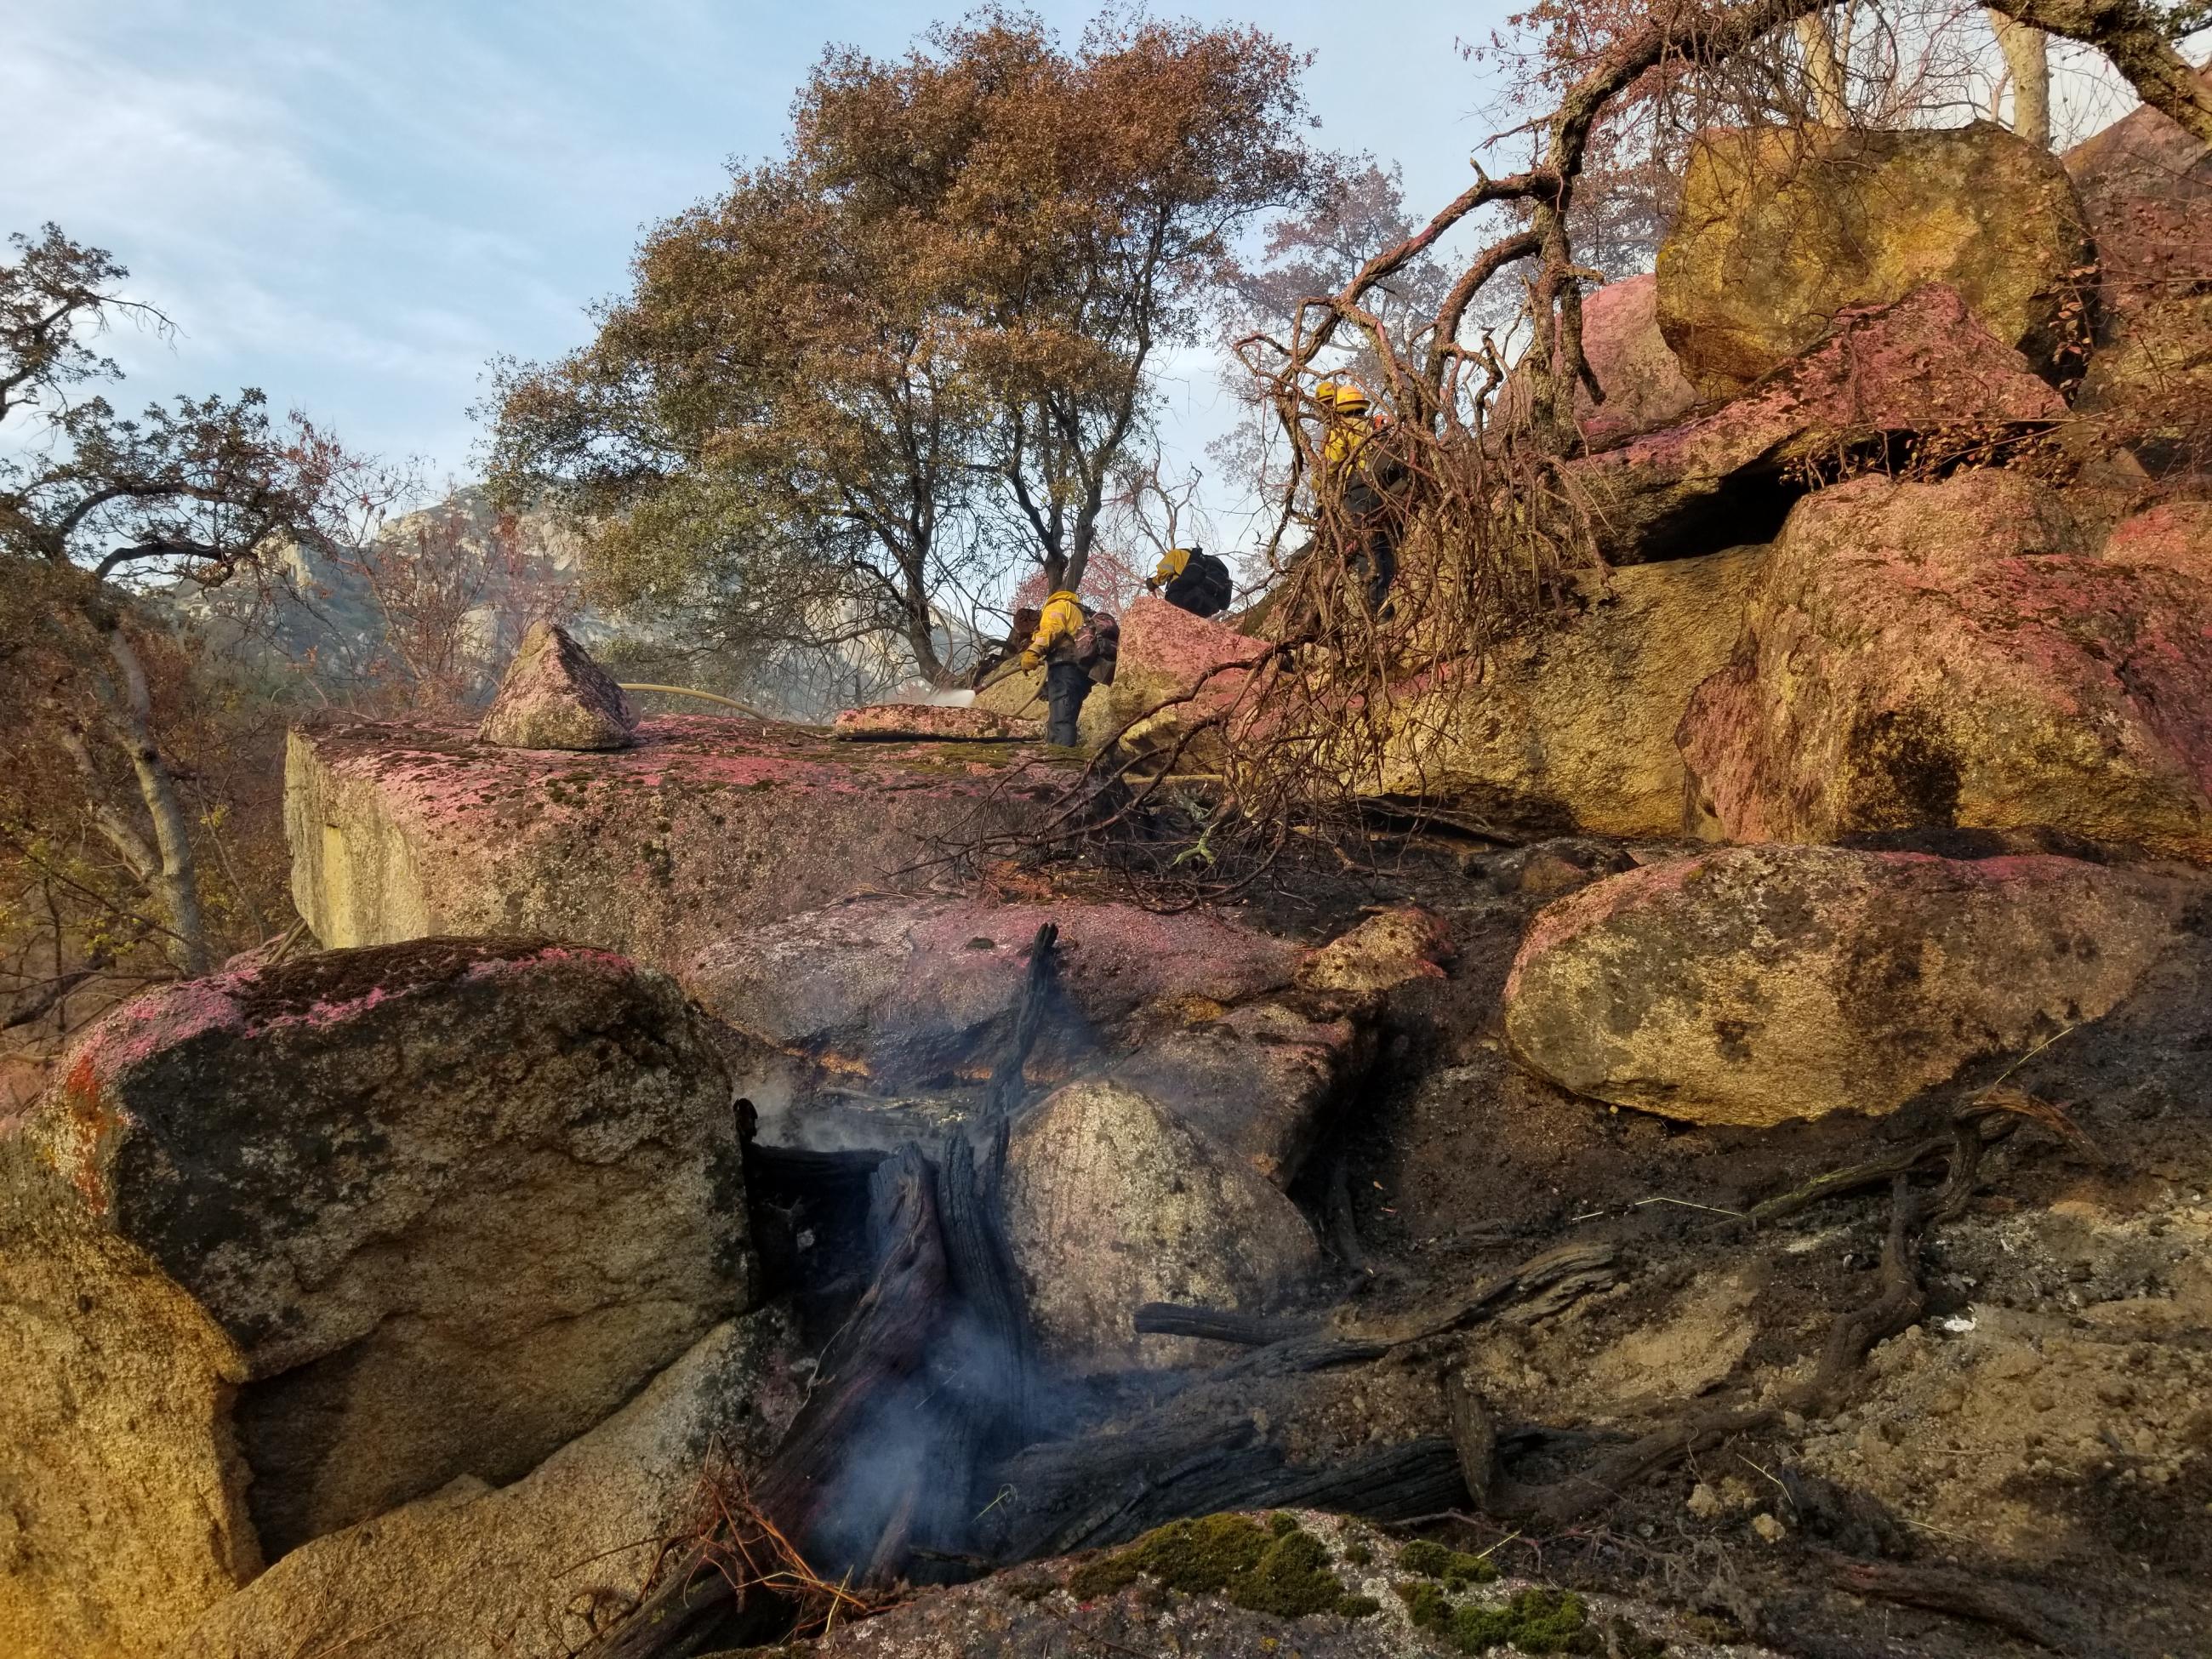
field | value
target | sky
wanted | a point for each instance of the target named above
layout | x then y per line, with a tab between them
354	204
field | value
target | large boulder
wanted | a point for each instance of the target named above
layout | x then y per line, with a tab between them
285	1247
1175	669
1111	1203
1644	384
702	827
1573	728
1258	1082
1754	985
531	1570
1922	364
555	696
1635	368
919	991
2146	189
1783	229
1955	654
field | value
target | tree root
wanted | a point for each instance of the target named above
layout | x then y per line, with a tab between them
1986	1601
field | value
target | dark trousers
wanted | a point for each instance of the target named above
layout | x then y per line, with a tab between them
1065	685
1375	553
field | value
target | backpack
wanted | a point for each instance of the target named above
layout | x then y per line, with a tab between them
1203	588
1097	646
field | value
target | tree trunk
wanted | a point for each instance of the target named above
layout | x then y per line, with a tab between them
2027	56
1824	71
130	713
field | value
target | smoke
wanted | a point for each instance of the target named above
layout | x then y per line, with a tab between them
918	694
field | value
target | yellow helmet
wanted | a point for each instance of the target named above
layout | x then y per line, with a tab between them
1345	397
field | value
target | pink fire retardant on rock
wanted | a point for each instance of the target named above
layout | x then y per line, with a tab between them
1948	654
1174	668
920	721
2174	536
1920	364
702	827
286	1247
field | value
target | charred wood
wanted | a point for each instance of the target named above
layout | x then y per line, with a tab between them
1218	1324
858	1381
1544	1283
1040	995
1473	1434
2001	1604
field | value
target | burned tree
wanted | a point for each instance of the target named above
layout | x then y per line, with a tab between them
100	510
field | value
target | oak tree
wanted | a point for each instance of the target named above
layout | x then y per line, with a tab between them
895	366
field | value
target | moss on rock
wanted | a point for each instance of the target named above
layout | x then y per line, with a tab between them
1536	1621
1430	1560
1279	1568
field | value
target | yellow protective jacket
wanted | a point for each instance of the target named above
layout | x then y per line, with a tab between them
1062	619
1173	563
1345	440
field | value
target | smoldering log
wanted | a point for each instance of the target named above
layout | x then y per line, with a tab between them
1039	997
859	1373
979	1366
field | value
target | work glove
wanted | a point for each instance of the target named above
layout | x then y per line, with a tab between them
1030	661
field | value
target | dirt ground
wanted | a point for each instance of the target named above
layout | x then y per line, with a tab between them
2045	1425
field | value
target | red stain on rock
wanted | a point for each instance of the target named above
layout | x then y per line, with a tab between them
1953	654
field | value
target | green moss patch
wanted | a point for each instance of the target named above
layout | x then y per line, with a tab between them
1279	1568
1536	1621
1432	1560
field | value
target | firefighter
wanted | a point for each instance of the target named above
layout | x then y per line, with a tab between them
1361	471
1191	579
1066	678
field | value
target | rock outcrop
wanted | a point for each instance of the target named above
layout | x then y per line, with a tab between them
1175	669
1277	1585
1921	364
1756	985
920	991
1573	729
1112	1203
555	696
1955	654
2146	189
701	828
286	1248
939	722
530	1569
1783	229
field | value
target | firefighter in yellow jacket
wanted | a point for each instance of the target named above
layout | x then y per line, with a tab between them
1362	471
1066	681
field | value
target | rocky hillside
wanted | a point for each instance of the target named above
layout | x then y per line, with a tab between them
704	1194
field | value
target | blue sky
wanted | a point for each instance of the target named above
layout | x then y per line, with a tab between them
353	204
